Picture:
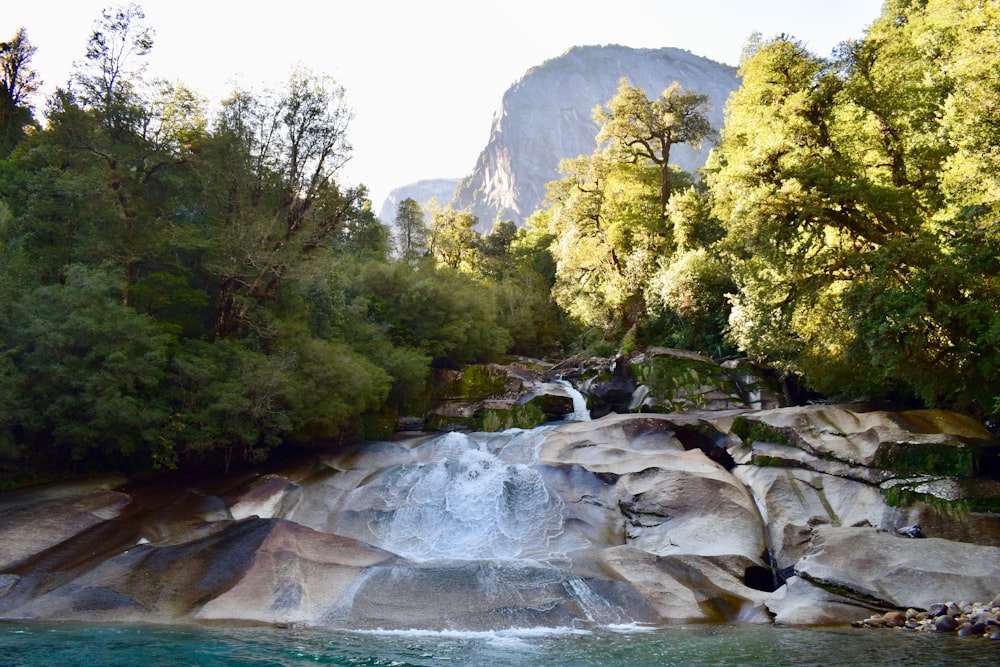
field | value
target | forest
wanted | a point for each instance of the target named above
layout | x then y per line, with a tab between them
190	289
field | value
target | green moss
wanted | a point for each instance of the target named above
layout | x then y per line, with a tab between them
481	382
767	461
376	426
436	422
524	416
903	495
958	460
751	431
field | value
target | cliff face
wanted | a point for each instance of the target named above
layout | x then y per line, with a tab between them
441	189
546	116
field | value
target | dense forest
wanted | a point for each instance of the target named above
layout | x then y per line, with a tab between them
188	289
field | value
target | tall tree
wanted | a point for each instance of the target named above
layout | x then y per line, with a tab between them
278	201
608	232
17	82
111	76
411	230
638	129
452	237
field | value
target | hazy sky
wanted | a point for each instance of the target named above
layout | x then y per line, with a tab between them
423	77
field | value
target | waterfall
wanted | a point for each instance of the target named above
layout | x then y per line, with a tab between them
467	504
482	539
580	411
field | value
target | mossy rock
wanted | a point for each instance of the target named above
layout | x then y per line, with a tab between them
552	404
952	495
954	459
474	383
380	425
493	419
755	431
440	422
677	380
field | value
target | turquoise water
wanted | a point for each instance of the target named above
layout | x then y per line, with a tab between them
74	645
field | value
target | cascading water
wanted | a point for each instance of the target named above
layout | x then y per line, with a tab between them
580	411
483	543
467	505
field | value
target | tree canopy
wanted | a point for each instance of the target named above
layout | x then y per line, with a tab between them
183	286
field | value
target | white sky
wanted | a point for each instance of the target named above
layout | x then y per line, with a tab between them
422	76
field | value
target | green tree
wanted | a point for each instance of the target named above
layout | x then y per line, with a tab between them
278	201
18	81
864	256
452	237
411	231
639	130
608	233
110	78
81	390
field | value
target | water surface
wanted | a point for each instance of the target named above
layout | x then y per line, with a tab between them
25	644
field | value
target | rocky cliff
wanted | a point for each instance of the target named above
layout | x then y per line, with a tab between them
422	192
546	116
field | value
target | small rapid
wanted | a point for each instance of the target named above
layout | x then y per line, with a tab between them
483	539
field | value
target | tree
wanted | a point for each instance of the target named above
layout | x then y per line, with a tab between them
452	237
855	207
110	78
638	129
494	260
18	81
277	201
608	232
411	231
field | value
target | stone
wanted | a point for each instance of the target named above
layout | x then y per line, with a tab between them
688	588
894	619
945	623
800	602
793	500
37	519
920	441
897	570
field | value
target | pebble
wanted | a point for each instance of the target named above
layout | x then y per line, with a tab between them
966	619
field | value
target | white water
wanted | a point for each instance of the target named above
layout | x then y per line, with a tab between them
580	411
467	504
484	543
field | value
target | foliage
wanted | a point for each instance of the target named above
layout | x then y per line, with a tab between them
615	227
180	288
639	130
860	217
18	81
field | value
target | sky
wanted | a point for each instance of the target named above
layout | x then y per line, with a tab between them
423	77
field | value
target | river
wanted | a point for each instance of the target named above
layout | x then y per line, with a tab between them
39	645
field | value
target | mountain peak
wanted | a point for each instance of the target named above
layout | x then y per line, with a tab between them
546	116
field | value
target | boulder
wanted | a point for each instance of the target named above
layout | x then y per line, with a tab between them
690	506
792	501
38	519
264	570
897	571
688	588
936	442
800	602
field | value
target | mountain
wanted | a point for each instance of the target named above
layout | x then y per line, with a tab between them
546	116
441	189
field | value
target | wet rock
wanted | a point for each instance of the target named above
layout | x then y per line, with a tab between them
800	602
688	588
945	623
34	520
899	571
